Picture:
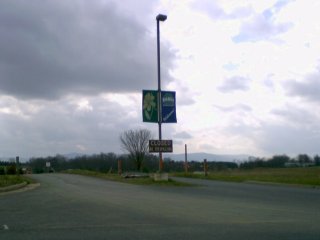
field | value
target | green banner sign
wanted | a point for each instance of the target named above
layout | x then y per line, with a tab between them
150	106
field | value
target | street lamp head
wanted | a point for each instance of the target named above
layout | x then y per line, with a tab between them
161	17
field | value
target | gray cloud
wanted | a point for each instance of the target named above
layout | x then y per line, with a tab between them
270	12
296	115
309	88
268	82
46	128
231	66
260	29
185	97
208	147
285	139
263	26
295	130
182	135
238	107
50	49
235	83
277	138
217	12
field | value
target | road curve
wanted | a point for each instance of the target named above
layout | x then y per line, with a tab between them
77	207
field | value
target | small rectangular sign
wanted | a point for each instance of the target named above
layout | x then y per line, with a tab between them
160	146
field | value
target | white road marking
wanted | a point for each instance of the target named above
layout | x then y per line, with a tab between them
5	227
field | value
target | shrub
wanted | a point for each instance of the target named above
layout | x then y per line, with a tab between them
20	171
37	170
11	170
2	170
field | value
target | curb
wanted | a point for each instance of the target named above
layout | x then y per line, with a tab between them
13	187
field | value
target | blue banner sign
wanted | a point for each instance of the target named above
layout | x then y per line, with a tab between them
168	104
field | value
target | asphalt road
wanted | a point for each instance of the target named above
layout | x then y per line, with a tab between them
77	207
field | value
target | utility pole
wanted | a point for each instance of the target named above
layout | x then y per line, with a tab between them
159	18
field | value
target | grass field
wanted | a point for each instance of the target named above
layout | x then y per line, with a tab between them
7	180
117	178
298	176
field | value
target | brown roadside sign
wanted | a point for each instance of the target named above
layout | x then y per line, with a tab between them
160	146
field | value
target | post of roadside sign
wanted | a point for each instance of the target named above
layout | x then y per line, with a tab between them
119	166
205	167
185	159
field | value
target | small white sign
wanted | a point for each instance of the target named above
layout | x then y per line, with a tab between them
48	164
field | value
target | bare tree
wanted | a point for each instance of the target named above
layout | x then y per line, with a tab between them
136	143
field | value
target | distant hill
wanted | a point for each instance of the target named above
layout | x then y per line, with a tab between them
209	157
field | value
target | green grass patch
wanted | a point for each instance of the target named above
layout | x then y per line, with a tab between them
118	178
309	176
8	180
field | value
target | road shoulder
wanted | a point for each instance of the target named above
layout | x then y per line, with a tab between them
21	187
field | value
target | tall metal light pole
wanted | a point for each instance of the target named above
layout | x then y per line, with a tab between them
159	18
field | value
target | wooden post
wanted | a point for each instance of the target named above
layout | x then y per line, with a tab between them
205	167
119	166
17	165
185	159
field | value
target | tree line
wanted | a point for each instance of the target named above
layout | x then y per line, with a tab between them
135	142
279	161
108	162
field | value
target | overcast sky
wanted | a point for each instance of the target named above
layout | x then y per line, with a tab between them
246	74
